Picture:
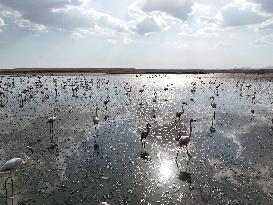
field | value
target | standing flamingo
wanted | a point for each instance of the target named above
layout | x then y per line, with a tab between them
253	97
178	114
213	104
144	135
184	140
52	119
10	166
2	93
96	118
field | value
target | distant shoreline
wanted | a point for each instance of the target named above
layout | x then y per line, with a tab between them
132	71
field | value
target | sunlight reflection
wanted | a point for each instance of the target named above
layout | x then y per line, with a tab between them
165	169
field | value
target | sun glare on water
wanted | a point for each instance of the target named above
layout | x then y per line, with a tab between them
165	169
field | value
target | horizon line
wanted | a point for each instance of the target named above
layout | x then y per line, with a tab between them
124	70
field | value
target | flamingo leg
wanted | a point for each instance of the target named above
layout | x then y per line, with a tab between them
176	158
96	130
188	153
6	189
11	184
50	127
214	115
5	185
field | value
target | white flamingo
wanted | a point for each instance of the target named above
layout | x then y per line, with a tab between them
96	118
2	93
52	119
10	166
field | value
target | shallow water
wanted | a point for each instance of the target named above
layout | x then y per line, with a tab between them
231	155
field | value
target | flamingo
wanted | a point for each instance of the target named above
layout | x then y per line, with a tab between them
213	104
178	114
144	135
212	128
184	140
96	118
96	148
10	166
52	119
2	93
253	97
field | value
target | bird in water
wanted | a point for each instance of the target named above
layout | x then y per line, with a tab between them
253	97
96	118
144	135
184	140
144	155
52	119
2	93
96	147
178	114
10	166
213	104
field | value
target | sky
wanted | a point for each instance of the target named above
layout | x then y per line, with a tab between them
165	34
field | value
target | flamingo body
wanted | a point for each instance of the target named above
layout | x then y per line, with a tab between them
96	120
51	119
183	141
12	164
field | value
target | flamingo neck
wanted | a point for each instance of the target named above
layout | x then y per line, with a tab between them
190	130
148	129
26	159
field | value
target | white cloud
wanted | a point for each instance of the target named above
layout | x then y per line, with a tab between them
61	14
208	20
233	16
265	40
179	9
266	5
28	24
106	20
267	24
150	24
150	16
2	23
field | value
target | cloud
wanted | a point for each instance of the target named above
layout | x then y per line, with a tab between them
29	25
267	24
42	12
2	23
150	24
265	40
179	9
151	16
233	16
61	14
266	5
208	20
